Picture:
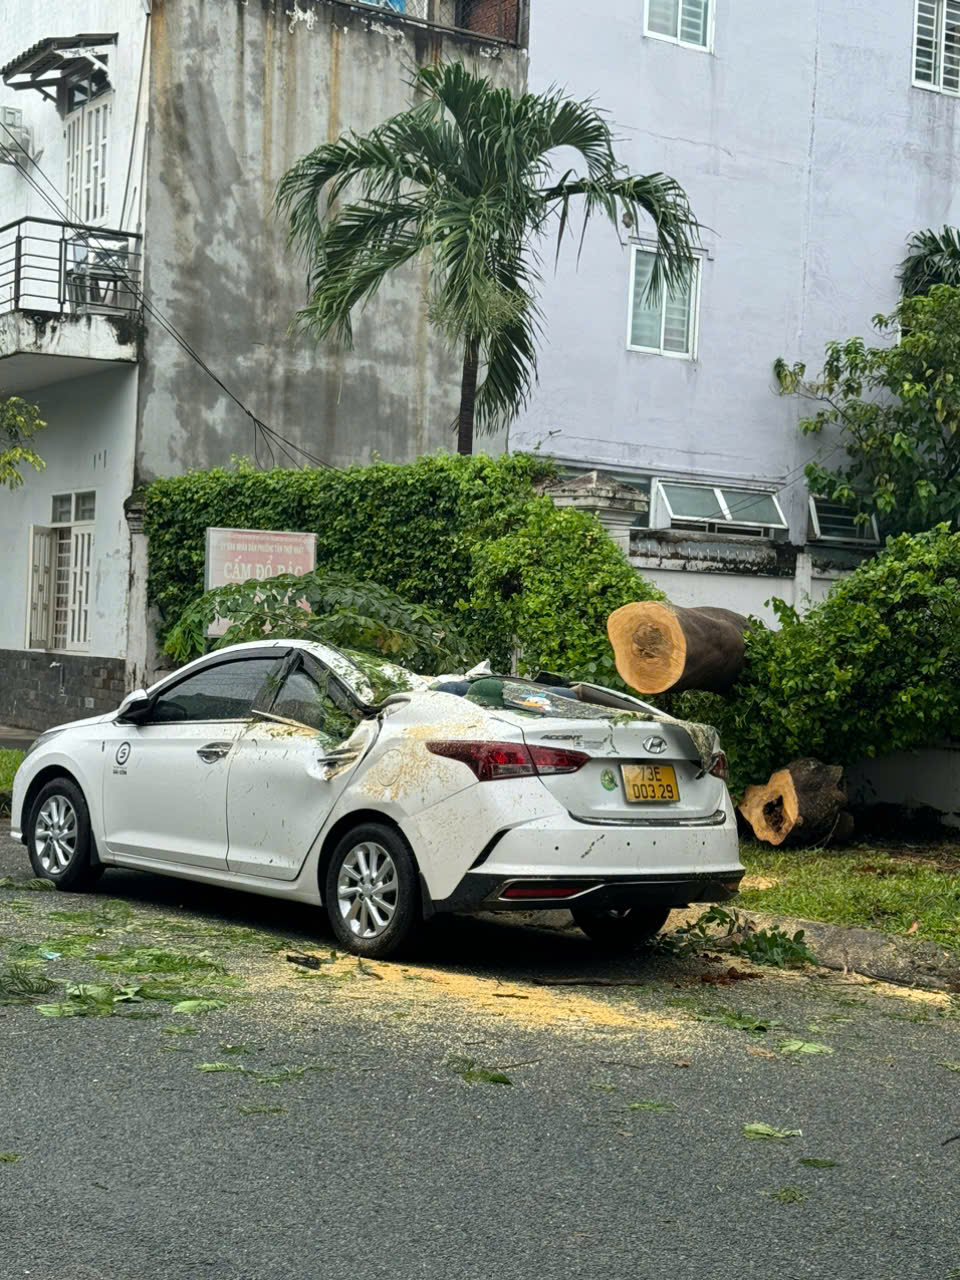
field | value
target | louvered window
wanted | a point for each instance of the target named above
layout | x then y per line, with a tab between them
685	21
60	574
936	57
669	324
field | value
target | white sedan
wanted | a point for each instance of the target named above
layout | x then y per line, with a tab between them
293	769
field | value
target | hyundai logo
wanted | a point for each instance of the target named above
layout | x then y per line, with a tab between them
656	746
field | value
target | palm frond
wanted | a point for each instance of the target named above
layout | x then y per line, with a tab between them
933	257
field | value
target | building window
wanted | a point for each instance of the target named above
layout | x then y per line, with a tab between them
669	325
86	133
716	509
936	51
682	21
61	556
835	523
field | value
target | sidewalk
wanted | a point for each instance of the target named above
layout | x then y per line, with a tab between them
19	739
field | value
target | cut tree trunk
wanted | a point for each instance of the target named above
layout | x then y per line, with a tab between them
660	647
803	804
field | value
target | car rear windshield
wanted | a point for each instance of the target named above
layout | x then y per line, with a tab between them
530	698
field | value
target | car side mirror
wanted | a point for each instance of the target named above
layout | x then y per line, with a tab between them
135	707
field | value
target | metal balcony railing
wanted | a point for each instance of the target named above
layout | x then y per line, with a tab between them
494	19
68	269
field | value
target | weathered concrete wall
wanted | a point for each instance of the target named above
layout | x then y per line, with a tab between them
239	91
808	156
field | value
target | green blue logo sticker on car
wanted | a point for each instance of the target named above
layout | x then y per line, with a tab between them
608	780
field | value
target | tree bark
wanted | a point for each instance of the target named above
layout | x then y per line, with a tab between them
659	647
803	804
468	396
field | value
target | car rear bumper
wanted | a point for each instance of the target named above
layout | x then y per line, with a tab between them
482	891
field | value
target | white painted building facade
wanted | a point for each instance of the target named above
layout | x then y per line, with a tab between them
812	139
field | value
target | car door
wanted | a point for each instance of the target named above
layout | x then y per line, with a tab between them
288	769
165	788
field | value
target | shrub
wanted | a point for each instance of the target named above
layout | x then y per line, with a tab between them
874	668
464	537
552	582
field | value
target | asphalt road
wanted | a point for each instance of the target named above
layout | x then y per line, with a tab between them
380	1159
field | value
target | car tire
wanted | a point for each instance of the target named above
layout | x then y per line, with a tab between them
372	891
621	928
59	839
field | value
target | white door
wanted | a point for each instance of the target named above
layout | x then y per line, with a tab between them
287	771
165	787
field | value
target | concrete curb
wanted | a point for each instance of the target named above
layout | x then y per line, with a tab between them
865	951
871	953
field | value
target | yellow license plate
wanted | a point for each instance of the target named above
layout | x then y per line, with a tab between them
650	783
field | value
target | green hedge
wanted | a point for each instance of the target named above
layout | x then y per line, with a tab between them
874	668
465	536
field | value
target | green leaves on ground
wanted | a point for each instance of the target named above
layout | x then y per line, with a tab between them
158	960
767	1132
789	1195
35	883
90	1000
199	1004
469	1069
950	1066
9	1157
220	1066
20	985
803	1046
651	1105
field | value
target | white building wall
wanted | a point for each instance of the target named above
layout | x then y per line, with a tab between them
85	447
809	158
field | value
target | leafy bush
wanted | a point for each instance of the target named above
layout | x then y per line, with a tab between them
874	668
897	408
342	612
460	537
553	582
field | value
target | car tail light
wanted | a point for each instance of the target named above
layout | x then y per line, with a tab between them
718	766
491	761
557	760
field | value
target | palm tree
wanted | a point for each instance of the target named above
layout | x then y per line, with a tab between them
933	258
466	177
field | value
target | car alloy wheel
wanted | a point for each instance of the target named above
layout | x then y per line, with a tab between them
367	890
55	834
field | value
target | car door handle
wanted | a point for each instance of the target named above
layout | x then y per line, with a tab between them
214	751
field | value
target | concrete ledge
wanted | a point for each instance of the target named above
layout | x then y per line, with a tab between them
865	951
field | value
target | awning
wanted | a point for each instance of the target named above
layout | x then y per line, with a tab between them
56	61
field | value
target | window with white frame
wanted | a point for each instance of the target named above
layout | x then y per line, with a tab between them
682	21
86	133
668	324
833	522
936	48
716	509
61	559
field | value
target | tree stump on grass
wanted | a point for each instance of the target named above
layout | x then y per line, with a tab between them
803	804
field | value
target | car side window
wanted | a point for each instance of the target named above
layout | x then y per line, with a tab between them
314	702
224	692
